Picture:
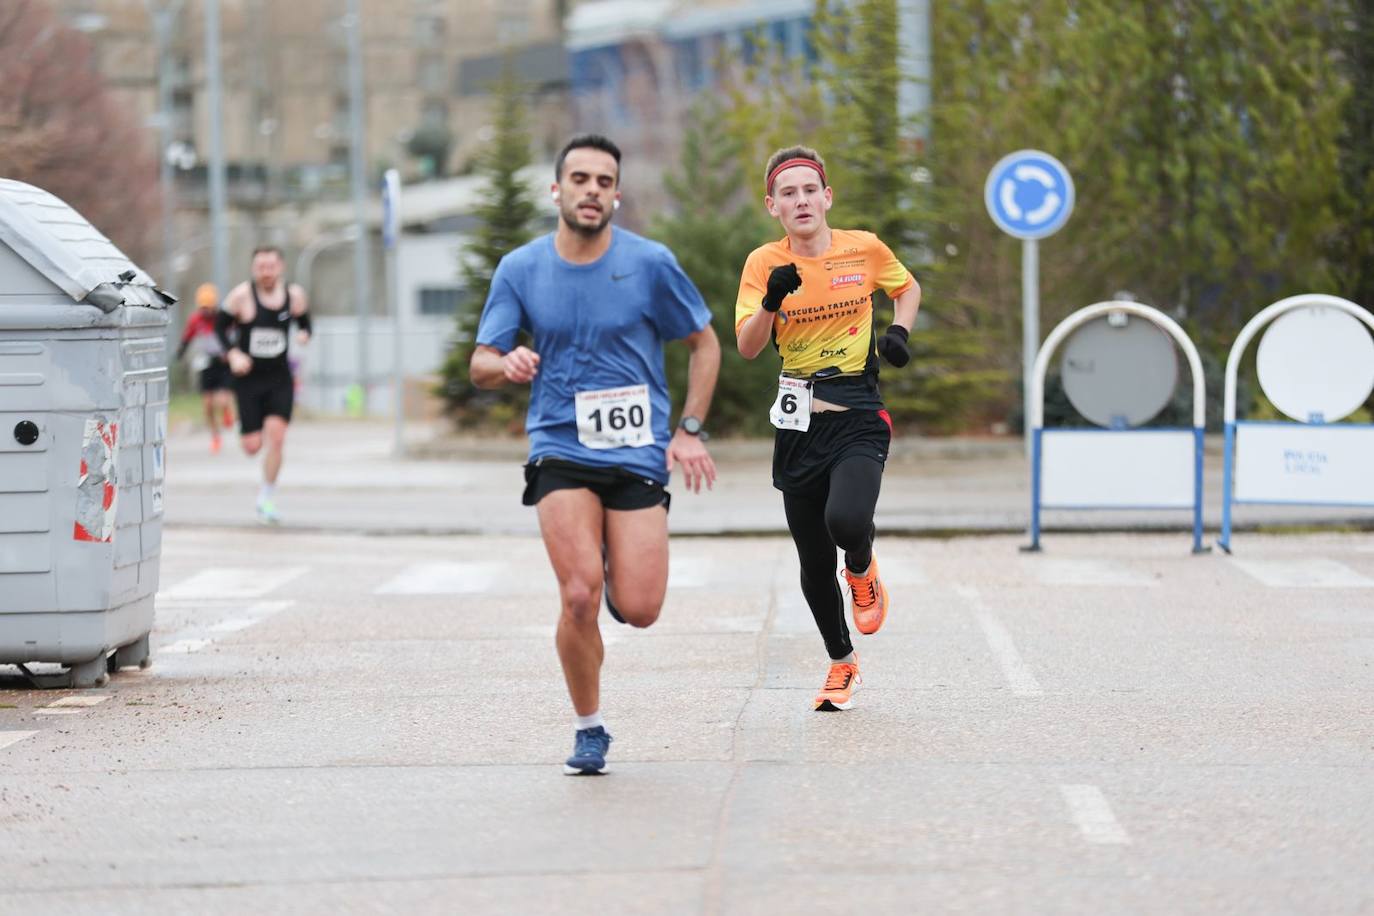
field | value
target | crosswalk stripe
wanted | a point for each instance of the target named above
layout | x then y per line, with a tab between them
1089	809
82	701
1061	571
234	582
8	738
1309	572
444	579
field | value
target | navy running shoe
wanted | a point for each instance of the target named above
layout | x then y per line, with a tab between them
606	586
589	752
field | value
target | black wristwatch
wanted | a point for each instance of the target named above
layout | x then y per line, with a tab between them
692	427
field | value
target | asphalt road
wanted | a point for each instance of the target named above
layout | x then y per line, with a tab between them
362	722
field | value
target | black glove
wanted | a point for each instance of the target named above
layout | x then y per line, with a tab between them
892	345
782	282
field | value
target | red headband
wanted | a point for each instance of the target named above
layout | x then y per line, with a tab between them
809	163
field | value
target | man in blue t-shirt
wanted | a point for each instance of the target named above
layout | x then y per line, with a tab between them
599	303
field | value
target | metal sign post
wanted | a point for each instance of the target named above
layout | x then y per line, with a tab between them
1029	195
391	237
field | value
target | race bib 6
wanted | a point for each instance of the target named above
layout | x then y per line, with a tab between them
792	409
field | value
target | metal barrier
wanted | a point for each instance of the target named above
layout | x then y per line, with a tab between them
1316	460
1116	468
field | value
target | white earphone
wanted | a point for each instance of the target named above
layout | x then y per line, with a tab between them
615	205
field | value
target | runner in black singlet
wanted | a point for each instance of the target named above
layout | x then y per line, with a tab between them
263	310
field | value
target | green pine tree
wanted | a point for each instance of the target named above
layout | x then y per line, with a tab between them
712	243
845	106
506	215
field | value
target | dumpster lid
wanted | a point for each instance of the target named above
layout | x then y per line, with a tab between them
63	246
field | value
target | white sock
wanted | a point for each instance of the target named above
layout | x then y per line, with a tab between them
591	721
266	492
850	659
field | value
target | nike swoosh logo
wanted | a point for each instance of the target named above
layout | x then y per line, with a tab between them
616	278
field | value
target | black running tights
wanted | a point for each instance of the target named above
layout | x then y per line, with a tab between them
838	515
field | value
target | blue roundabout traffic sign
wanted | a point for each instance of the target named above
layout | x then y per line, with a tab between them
1029	194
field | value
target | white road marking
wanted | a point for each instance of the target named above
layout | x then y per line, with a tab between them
1089	809
78	701
233	625
234	582
1313	572
193	639
1061	571
444	579
8	738
900	571
688	572
57	712
1023	683
183	647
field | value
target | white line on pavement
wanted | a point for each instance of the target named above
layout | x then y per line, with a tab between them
183	646
193	639
234	582
1059	571
1023	683
57	712
8	738
1089	809
78	701
1313	572
444	579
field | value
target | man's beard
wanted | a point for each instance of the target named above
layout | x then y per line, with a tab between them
570	220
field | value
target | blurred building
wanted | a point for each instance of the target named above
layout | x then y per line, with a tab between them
635	66
626	68
285	79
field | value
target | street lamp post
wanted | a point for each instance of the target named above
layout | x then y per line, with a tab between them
164	19
218	243
362	279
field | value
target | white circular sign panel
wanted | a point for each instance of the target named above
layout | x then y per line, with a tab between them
1316	364
1119	371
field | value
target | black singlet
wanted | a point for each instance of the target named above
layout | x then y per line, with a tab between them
266	337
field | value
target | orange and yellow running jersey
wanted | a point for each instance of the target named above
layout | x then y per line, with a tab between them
828	322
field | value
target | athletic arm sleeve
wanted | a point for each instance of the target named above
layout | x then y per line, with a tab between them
893	277
303	321
503	315
752	285
223	322
679	310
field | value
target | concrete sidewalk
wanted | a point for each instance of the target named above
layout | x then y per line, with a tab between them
344	476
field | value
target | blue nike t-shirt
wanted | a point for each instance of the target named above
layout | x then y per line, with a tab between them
596	327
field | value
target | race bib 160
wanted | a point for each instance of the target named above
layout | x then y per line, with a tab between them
615	417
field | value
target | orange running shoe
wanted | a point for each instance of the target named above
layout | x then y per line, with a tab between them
214	445
838	692
868	599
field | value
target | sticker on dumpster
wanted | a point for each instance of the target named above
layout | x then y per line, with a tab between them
160	426
98	485
157	500
159	462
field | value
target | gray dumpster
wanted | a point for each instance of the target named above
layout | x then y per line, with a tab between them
83	419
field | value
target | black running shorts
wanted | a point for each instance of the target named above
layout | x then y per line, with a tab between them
802	461
216	377
617	488
261	396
